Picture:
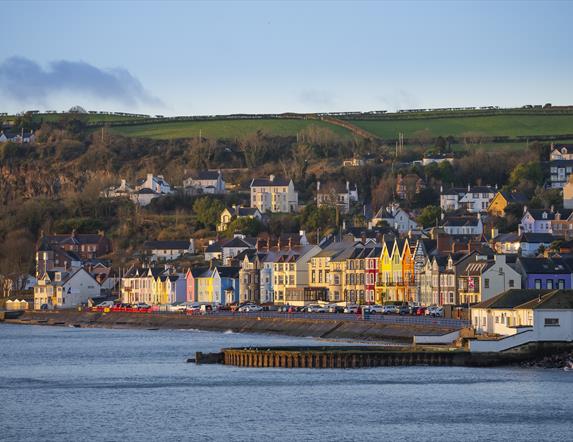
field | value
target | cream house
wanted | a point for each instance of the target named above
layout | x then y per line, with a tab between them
274	195
57	290
290	270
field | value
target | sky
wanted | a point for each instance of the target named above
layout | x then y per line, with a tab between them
222	57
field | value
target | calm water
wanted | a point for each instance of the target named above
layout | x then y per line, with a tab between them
70	384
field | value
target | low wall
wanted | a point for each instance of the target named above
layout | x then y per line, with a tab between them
447	338
318	328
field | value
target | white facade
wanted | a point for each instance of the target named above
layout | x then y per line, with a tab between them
65	290
210	182
499	278
274	195
473	199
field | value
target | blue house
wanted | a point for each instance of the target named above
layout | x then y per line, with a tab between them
545	273
226	285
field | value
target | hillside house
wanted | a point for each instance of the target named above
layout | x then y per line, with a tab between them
501	200
207	182
396	218
168	250
230	214
336	195
274	195
471	199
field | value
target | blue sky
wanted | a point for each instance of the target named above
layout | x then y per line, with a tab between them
183	58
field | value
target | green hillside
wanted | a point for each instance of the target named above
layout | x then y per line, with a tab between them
498	125
224	128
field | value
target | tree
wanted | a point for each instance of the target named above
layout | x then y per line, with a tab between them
207	210
246	226
430	216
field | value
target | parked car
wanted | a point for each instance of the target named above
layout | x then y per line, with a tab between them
141	306
420	311
250	308
389	309
435	311
351	308
105	304
376	308
404	310
335	308
316	308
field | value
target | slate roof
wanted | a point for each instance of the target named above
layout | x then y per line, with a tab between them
511	299
266	182
544	266
556	300
537	238
461	221
228	272
237	242
215	247
514	197
206	175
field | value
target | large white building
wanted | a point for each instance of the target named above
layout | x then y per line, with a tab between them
274	195
58	290
471	199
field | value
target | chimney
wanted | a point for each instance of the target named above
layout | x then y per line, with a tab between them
318	186
289	243
552	208
469	187
348	186
271	178
123	182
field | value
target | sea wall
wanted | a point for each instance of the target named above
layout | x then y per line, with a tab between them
319	328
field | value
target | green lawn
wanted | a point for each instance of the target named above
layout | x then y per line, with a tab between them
500	125
223	128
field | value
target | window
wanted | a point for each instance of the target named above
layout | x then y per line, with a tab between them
511	283
486	283
551	322
549	283
538	284
561	284
497	319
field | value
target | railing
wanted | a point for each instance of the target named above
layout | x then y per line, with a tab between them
378	318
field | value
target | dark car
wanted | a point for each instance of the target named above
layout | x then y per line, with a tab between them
404	310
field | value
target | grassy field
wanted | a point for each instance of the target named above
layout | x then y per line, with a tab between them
223	128
500	125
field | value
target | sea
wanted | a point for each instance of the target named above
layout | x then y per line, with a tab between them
71	384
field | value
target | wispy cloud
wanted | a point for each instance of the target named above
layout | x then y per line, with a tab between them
26	81
316	97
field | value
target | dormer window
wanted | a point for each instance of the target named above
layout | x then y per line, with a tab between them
544	216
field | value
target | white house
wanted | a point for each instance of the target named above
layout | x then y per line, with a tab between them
537	220
274	195
64	289
208	181
463	225
336	195
238	244
143	193
561	152
168	250
520	317
472	199
529	243
155	183
396	218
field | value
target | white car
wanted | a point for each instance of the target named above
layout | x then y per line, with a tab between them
250	308
105	304
376	308
351	308
389	309
435	311
316	308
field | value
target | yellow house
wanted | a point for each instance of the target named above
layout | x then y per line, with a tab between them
205	287
501	200
385	275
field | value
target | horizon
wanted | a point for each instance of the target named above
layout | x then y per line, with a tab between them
225	58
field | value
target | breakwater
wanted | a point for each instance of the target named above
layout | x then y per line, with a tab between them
299	327
369	356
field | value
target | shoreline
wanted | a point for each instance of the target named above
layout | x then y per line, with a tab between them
336	329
